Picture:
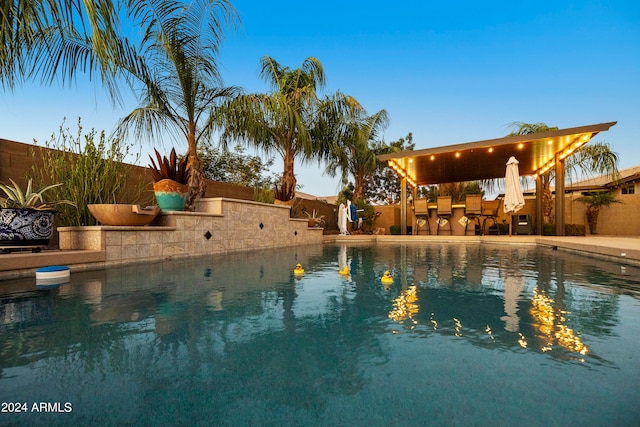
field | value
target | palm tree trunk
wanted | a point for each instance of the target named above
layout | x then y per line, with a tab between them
287	190
592	220
197	184
547	199
358	192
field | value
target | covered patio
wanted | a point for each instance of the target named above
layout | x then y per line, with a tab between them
537	153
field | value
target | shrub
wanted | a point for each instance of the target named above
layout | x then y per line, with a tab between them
569	230
264	195
92	172
396	229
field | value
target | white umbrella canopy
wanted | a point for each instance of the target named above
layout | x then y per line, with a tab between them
343	214
513	198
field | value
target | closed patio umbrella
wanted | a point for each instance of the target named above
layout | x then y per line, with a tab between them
343	213
513	198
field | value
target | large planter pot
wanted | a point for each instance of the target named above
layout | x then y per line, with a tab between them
122	214
171	195
25	227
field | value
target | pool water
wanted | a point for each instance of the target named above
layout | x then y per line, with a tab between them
466	335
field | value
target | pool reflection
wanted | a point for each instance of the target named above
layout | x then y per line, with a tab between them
244	325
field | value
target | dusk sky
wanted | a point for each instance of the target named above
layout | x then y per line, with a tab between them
448	72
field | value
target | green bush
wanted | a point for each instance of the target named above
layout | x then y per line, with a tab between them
569	230
574	230
264	195
396	229
91	172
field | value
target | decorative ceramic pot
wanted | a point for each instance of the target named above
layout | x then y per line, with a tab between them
171	195
25	227
122	214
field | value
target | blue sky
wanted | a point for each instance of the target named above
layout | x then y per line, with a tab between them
449	72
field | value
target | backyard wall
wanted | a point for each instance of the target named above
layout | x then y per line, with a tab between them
619	219
17	160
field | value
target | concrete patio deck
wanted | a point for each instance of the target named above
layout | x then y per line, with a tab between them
624	250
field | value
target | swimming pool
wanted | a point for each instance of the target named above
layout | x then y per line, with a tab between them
465	335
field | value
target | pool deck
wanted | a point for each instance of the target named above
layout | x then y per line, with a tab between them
617	249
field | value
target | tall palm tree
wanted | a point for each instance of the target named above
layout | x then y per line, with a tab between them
354	156
175	61
292	121
179	80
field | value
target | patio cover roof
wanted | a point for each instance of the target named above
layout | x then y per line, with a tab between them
487	159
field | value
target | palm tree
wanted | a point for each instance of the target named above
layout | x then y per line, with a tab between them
291	121
594	202
175	61
179	77
354	156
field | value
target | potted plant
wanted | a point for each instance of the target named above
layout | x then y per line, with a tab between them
595	201
170	177
26	217
315	220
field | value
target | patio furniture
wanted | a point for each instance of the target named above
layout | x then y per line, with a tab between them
444	212
490	213
421	213
473	211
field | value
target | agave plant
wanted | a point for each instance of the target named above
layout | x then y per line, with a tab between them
17	198
169	168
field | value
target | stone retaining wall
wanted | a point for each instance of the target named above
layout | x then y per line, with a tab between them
219	225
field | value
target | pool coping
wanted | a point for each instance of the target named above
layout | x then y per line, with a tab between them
625	250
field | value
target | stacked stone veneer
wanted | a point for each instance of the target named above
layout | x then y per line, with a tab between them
218	225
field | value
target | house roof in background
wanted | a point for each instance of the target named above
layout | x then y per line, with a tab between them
606	181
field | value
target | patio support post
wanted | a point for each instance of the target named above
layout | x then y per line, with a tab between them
403	206
559	196
414	196
539	198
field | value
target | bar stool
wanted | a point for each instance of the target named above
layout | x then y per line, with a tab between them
473	211
444	212
491	215
421	213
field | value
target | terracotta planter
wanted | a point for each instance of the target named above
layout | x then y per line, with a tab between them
122	214
314	223
25	227
171	195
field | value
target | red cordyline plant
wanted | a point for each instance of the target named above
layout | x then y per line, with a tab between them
169	168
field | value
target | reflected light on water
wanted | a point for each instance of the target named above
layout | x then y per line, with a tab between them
405	306
551	324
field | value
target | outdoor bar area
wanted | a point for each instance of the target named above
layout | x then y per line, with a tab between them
536	154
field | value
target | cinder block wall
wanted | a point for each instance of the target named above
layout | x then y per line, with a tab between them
618	219
17	160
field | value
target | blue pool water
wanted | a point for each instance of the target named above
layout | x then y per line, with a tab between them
466	335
